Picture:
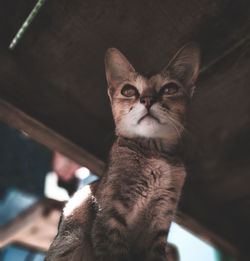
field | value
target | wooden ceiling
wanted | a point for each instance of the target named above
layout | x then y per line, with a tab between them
52	86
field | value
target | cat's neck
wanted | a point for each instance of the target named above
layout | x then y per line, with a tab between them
152	147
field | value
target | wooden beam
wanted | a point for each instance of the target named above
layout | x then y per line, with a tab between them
17	119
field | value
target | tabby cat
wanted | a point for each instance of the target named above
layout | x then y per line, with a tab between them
127	214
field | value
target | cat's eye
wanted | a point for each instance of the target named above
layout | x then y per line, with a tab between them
129	91
169	89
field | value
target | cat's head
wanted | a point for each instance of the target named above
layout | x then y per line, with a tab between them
152	107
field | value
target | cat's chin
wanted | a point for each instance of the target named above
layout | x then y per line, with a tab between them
148	128
148	120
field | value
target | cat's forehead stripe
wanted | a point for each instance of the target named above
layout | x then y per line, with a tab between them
141	83
154	83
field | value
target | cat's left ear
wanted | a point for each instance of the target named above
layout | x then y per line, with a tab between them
118	68
184	66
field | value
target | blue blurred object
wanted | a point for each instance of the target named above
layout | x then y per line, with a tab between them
13	203
89	179
38	257
13	253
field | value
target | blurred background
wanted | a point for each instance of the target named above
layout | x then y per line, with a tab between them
53	90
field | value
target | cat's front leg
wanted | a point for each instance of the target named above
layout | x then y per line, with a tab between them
158	249
109	237
172	253
165	252
159	227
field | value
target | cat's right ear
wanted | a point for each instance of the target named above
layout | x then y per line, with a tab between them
184	66
118	68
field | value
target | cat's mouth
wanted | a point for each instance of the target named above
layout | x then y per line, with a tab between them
148	116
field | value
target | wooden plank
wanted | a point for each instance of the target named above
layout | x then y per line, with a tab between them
35	227
40	233
17	119
8	231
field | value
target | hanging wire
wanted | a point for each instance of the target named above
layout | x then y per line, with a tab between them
26	23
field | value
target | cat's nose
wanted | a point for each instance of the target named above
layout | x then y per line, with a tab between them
147	101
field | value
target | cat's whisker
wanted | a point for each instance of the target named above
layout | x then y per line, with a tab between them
176	124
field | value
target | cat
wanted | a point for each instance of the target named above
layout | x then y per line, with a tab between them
127	214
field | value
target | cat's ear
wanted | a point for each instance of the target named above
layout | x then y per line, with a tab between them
184	66
118	68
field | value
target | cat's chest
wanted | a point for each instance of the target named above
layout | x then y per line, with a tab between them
160	172
159	180
157	170
160	175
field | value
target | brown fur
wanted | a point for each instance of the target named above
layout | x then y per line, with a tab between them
126	215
